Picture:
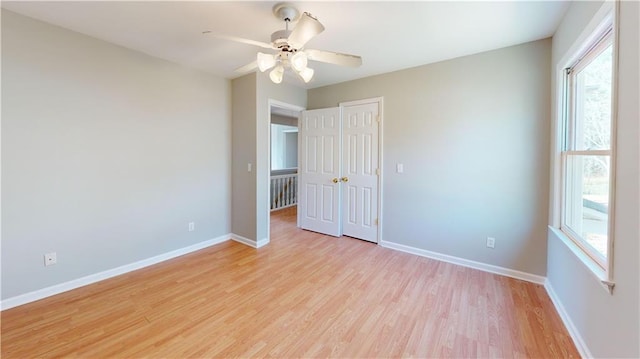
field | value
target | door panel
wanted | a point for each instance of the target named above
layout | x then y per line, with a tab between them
310	196
359	164
320	195
329	192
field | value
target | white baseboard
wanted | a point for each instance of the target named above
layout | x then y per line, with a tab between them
466	262
568	323
249	242
93	278
244	240
263	242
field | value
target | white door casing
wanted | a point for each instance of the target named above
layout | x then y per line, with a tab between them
319	173
360	126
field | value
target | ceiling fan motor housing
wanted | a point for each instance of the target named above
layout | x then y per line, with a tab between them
279	39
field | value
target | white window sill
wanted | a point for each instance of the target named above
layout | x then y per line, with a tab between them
599	273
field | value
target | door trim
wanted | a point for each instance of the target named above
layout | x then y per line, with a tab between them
380	102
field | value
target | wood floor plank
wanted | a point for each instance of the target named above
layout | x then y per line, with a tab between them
303	295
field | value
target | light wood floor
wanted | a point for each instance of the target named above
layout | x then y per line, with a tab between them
303	295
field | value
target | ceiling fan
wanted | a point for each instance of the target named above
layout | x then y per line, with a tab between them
289	46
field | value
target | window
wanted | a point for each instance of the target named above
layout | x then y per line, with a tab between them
284	147
587	150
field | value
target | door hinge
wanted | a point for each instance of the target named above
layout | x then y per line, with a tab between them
376	221
377	172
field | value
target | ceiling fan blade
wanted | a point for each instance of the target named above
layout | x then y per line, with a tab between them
239	39
307	27
335	58
247	68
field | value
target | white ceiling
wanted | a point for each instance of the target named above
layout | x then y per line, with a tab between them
388	35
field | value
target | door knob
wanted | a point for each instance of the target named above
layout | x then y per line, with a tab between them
335	180
344	179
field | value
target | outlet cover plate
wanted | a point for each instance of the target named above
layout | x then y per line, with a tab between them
491	242
50	259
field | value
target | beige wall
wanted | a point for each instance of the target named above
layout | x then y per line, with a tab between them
607	324
473	136
107	154
284	120
243	196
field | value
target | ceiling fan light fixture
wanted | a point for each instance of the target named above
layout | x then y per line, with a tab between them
277	74
265	61
299	61
289	45
306	74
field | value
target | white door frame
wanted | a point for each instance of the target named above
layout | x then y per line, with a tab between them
379	101
275	103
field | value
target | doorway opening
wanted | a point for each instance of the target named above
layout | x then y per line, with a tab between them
283	160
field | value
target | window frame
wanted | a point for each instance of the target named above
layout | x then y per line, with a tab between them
603	23
569	124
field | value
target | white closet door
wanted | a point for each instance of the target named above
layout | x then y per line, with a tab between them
360	171
319	173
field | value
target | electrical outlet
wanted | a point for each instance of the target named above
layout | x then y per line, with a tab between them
491	242
50	259
192	226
